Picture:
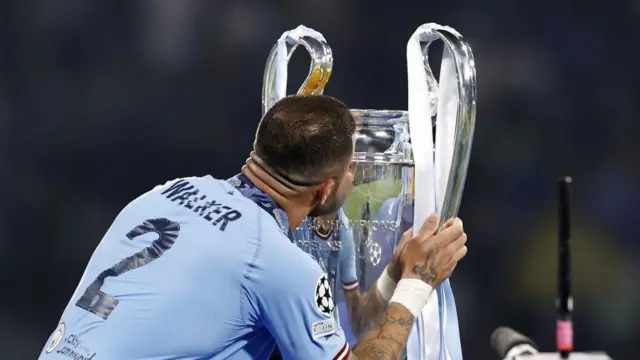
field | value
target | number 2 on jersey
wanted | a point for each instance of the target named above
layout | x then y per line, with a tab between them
102	304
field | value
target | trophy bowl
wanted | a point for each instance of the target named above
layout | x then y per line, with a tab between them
380	206
382	181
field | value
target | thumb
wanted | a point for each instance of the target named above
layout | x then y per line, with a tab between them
449	223
403	240
430	226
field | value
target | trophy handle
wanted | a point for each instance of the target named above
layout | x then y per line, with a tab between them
463	63
319	70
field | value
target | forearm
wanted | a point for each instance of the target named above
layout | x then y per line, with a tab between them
388	338
364	308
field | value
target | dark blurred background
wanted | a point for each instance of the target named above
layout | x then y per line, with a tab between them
102	100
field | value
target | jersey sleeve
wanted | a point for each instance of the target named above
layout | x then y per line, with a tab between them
347	255
291	297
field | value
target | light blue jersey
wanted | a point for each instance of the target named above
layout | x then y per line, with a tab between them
199	268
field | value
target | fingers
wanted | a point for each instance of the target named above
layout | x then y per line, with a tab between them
460	253
458	247
452	222
249	173
448	223
457	244
451	233
404	238
429	227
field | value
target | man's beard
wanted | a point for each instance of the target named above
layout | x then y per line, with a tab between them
332	205
326	209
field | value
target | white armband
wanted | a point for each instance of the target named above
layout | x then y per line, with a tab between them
412	294
386	285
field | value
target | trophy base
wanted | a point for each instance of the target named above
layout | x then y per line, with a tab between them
573	356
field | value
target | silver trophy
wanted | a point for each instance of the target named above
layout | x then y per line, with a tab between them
403	171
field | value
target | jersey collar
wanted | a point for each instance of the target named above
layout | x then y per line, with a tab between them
264	201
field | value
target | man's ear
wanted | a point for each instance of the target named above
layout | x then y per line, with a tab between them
323	190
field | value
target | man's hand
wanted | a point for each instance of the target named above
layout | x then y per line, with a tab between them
394	269
432	256
428	256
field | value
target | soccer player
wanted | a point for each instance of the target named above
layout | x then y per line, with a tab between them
200	268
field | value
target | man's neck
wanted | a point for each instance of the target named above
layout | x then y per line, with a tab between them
282	195
295	214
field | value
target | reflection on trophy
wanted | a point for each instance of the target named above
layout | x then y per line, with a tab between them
403	171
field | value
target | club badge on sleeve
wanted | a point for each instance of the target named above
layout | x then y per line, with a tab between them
56	338
323	296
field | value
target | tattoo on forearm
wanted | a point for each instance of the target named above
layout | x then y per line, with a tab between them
427	271
387	340
364	309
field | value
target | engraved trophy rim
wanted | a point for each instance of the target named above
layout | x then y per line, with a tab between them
386	114
381	120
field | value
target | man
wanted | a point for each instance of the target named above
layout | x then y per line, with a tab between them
201	268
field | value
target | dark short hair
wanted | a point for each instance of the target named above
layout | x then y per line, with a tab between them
306	138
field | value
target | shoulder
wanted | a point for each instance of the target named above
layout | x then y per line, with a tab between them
282	263
215	201
184	181
288	275
277	246
213	191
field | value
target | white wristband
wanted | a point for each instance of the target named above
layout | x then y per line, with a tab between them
386	285
412	294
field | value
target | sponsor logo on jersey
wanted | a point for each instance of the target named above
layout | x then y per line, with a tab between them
323	328
72	347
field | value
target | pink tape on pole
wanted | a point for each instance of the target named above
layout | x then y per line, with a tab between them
564	335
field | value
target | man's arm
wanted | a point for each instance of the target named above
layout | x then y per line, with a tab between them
387	339
426	260
292	300
364	308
